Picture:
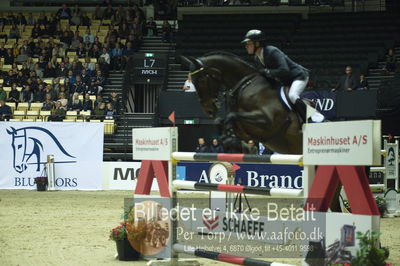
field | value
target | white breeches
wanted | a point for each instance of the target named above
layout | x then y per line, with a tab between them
296	89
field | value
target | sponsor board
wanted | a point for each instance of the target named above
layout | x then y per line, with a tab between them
77	149
342	143
122	176
154	143
253	175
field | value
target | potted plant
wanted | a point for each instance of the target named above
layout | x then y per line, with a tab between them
382	205
120	235
370	253
41	183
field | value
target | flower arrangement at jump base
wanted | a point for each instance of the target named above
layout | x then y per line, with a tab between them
41	183
129	237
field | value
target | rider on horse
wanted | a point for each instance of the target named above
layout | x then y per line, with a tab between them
273	63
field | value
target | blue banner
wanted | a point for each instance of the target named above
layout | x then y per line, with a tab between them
325	102
254	175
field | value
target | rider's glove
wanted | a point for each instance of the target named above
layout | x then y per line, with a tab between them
265	72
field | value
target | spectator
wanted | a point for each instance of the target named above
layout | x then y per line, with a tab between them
63	100
76	104
391	62
22	57
20	79
126	53
66	39
39	95
89	66
100	111
76	67
166	30
76	15
64	12
87	103
98	101
202	147
71	77
38	70
108	12
75	41
49	71
49	90
3	50
85	77
99	81
346	82
88	36
63	89
105	56
249	147
30	21
3	93
109	112
58	113
14	32
363	83
9	57
5	111
42	19
95	52
189	86
14	94
151	27
114	100
116	57
116	18
62	71
98	14
20	20
27	94
79	86
216	147
48	104
9	79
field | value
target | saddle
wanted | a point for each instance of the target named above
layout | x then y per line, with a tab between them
284	98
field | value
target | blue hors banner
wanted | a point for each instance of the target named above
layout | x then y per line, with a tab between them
254	175
77	149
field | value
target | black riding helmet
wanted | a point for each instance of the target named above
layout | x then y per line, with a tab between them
255	36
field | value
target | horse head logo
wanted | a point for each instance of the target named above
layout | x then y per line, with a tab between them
28	149
391	156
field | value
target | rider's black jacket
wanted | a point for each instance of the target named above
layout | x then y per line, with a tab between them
278	65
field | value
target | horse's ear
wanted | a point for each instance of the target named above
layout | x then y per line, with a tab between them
11	132
186	62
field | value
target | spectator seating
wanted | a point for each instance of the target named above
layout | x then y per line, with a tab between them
324	43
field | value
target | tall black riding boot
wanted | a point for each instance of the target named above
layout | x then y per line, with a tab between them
301	109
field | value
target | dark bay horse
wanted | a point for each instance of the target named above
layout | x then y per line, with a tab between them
254	109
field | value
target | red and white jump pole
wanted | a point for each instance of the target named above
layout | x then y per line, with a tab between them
179	248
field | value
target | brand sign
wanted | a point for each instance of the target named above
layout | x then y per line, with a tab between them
392	160
342	143
122	176
77	150
254	175
325	102
156	143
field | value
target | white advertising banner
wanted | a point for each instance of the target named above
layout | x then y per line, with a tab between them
156	143
392	160
122	176
342	143
77	149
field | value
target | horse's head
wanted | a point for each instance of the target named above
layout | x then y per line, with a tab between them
208	82
19	146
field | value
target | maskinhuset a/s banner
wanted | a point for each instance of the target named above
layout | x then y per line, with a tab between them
77	150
